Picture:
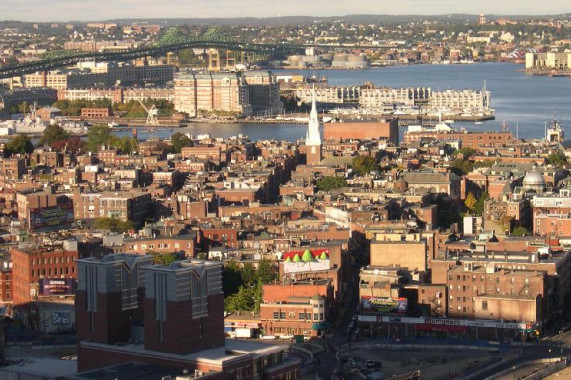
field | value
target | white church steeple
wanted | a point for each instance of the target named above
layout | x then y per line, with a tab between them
313	137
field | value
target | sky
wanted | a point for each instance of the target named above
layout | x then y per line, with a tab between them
93	10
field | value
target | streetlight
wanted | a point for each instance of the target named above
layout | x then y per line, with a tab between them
513	371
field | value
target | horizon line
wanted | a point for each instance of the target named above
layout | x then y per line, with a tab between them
534	15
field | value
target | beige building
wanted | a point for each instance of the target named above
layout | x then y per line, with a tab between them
72	79
549	60
263	92
228	92
387	250
127	205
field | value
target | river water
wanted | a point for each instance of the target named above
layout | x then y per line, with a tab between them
518	98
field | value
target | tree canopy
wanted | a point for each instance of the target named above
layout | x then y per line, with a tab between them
113	224
243	287
330	183
20	144
164	258
520	231
364	164
557	158
53	133
97	136
179	141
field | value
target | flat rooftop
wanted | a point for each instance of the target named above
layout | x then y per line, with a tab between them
233	350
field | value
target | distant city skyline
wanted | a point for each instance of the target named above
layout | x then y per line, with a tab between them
94	10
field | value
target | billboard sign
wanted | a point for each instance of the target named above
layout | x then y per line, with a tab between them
53	216
57	286
385	304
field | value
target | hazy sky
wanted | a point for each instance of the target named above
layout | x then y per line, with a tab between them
64	10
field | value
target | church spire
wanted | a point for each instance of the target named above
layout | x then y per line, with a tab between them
313	137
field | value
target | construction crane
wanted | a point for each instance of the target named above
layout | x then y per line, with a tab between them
152	114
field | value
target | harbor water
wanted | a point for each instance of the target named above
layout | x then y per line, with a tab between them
518	98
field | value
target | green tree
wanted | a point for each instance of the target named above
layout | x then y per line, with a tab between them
520	231
19	144
125	144
164	258
243	300
557	158
479	206
113	224
53	133
364	164
249	275
466	152
330	183
97	136
447	210
179	141
461	167
231	278
267	271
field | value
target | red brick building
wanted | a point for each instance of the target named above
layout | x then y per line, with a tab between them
296	308
163	244
382	129
6	287
33	265
96	113
219	235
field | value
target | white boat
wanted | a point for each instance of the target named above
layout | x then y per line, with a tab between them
28	125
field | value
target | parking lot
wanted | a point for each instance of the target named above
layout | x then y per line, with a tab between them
389	362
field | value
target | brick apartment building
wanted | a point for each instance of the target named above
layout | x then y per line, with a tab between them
474	140
96	113
174	316
213	236
204	152
6	284
12	169
131	205
212	92
492	293
163	244
31	264
380	129
296	308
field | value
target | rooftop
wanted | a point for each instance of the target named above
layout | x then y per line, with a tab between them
232	351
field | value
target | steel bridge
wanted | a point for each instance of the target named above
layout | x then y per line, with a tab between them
70	57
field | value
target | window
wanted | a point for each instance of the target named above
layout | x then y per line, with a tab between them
315	316
484	305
